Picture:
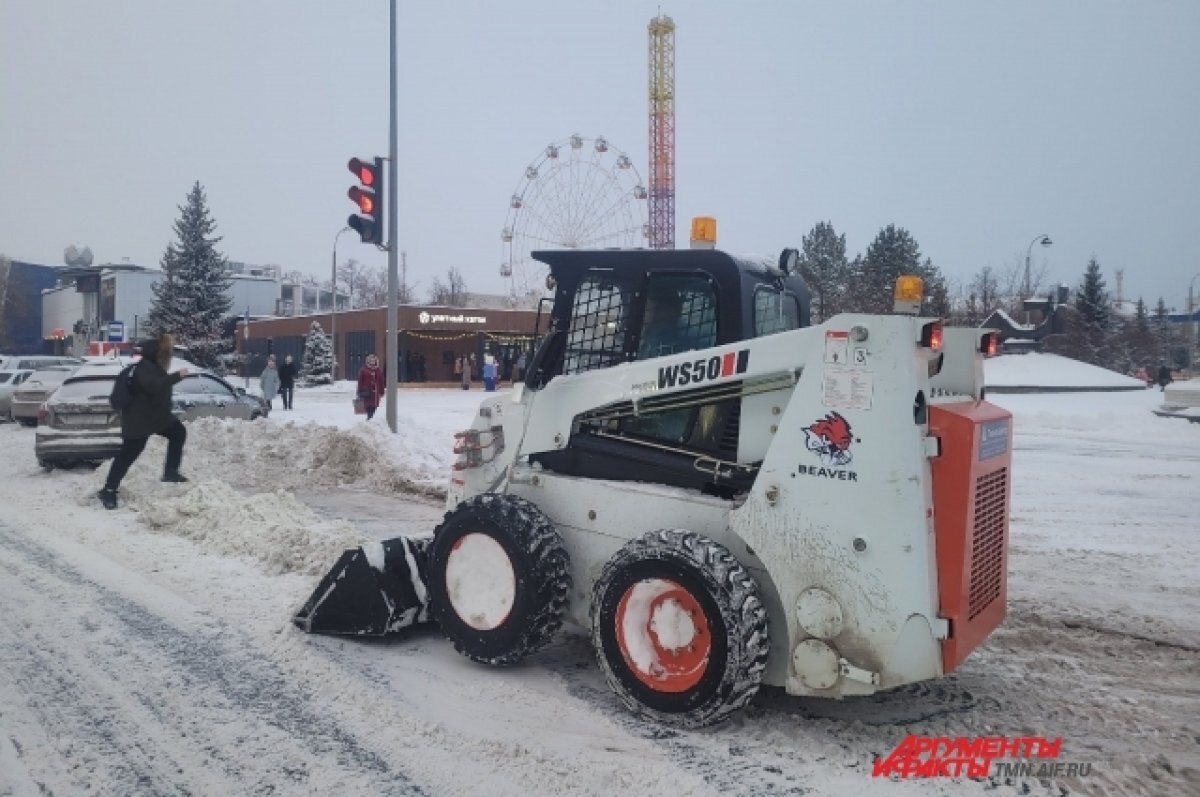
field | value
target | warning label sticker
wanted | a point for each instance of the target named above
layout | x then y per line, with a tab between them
837	348
847	388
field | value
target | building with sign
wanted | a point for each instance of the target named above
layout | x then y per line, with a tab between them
430	339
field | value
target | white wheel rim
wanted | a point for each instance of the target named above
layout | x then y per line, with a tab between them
480	582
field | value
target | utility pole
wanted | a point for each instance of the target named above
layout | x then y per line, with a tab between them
1192	348
333	302
393	333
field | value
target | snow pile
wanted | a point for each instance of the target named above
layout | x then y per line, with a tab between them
294	455
273	528
1050	371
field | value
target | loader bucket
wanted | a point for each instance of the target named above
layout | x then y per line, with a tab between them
373	590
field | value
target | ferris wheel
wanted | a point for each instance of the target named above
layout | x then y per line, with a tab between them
580	193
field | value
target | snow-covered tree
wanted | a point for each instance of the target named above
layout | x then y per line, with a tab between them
893	252
193	296
1092	301
317	365
824	267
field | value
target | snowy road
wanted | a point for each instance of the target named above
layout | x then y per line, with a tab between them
148	650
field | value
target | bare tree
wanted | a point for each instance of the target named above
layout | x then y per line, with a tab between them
297	277
452	292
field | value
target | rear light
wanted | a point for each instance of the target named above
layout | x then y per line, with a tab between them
989	344
471	445
43	415
931	335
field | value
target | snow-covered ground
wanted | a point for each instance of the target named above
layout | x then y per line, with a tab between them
1039	371
150	651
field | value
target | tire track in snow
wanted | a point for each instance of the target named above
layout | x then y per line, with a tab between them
222	684
727	763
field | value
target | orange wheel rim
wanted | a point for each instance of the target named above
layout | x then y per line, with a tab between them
663	634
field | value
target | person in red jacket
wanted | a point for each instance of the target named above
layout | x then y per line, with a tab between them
371	385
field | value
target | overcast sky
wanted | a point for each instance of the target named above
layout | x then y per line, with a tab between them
974	125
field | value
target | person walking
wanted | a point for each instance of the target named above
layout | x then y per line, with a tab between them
371	385
466	373
287	381
148	413
489	373
269	382
1164	377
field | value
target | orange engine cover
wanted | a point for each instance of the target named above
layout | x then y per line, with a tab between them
971	494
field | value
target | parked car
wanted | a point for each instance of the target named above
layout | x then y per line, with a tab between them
77	424
203	394
28	398
10	381
34	362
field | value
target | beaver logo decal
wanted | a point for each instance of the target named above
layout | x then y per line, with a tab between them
830	438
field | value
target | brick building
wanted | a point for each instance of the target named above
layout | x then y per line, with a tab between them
430	339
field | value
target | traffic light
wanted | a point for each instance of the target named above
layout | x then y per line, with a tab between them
368	195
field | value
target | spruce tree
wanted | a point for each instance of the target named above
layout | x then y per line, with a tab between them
192	298
317	364
1089	338
937	295
824	267
1092	301
893	252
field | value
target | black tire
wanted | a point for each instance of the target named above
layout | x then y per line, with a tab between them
731	637
540	578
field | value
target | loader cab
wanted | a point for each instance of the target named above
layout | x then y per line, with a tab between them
614	307
617	306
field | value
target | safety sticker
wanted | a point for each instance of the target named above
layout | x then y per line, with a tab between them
993	439
837	345
847	388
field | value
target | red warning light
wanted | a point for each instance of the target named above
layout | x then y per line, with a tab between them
931	335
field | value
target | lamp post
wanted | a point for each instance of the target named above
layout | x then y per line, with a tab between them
333	302
1192	322
1044	240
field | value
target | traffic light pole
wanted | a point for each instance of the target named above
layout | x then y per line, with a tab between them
393	333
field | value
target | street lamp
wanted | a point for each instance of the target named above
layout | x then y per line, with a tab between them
333	302
1192	322
1044	240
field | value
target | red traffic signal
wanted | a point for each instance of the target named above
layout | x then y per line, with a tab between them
364	172
368	195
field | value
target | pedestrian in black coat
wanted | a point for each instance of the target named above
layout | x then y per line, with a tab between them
149	412
287	381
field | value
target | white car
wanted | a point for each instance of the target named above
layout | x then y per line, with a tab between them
27	399
9	382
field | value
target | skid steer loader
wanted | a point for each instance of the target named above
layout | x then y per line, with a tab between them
722	493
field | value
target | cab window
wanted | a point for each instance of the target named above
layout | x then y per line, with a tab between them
596	338
680	315
774	311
